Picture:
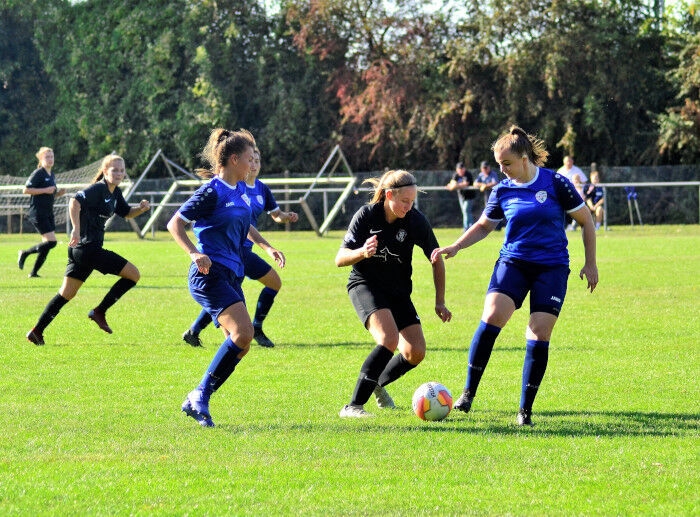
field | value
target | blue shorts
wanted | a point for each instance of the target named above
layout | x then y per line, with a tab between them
367	300
254	266
216	291
546	284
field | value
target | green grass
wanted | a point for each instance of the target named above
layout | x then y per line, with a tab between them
93	426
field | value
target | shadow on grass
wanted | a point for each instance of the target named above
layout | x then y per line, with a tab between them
555	424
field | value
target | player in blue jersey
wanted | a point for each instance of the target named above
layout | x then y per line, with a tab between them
261	200
221	220
41	186
89	211
379	246
534	259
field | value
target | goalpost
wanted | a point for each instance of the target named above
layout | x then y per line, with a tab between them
334	178
14	204
325	182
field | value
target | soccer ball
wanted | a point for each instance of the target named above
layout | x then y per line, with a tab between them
432	401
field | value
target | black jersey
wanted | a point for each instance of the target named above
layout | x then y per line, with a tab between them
41	204
97	205
390	268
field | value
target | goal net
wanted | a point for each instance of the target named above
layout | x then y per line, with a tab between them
14	205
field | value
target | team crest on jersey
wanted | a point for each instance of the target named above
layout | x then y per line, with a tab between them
259	199
245	198
541	196
401	235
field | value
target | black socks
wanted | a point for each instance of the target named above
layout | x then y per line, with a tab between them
372	368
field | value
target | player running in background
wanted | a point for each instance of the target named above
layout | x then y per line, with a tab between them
261	200
379	247
41	187
221	219
89	211
534	258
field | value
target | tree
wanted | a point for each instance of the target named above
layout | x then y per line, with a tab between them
27	103
679	127
383	73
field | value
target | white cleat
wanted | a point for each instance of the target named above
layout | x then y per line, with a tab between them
384	400
350	411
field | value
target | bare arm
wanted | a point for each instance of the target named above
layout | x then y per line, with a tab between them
474	234
176	227
135	211
590	269
275	254
38	191
348	257
282	217
74	214
439	280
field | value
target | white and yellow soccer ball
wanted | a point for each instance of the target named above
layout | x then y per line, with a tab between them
432	401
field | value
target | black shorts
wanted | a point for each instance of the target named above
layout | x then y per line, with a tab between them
367	300
43	223
83	261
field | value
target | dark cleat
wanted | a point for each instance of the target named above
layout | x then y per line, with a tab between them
464	402
21	257
35	337
33	275
525	418
191	338
98	317
262	339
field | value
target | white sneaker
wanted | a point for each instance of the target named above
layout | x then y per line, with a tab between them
384	400
350	411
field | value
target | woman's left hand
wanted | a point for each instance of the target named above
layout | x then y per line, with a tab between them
443	312
277	255
591	273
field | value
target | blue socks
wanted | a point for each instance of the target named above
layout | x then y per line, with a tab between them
265	301
479	354
201	322
536	357
222	366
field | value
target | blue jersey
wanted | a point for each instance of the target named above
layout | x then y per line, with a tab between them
222	219
536	217
261	200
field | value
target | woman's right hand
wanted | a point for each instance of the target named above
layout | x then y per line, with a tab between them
448	251
370	247
74	238
202	261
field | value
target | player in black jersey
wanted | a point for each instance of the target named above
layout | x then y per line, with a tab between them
379	247
42	189
89	211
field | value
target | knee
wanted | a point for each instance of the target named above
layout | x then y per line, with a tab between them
274	281
243	336
131	273
68	294
389	341
415	357
50	245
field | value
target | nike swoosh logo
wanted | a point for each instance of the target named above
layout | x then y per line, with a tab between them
372	232
108	200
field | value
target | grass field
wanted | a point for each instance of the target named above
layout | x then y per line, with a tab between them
93	423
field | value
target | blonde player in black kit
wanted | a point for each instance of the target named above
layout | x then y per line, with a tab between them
379	247
89	211
41	186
